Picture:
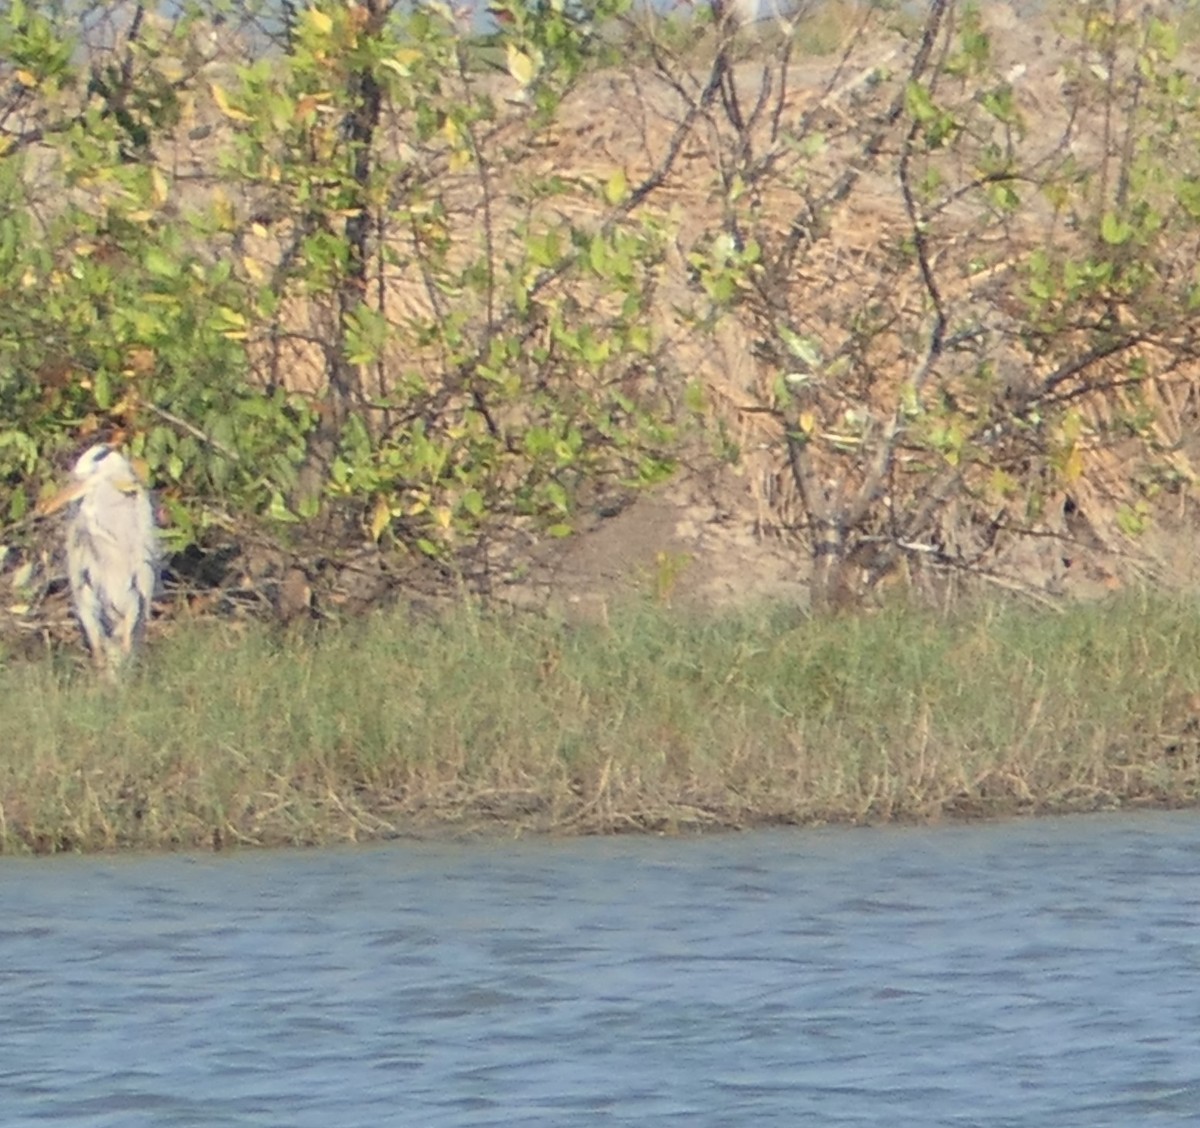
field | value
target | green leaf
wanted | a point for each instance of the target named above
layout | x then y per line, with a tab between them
918	103
545	249
278	510
806	349
598	255
472	502
161	265
1115	231
102	390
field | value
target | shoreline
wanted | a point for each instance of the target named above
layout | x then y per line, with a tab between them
475	829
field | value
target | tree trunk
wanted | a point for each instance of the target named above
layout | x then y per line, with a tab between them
343	379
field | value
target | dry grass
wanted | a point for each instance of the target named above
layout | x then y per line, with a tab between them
652	722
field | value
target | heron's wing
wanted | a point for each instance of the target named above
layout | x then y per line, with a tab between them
113	532
110	546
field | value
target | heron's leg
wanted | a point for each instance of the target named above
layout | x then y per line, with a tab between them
110	666
86	611
101	659
127	633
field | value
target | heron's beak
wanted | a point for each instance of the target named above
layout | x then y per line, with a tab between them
64	497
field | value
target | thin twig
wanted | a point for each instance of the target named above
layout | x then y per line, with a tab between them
193	430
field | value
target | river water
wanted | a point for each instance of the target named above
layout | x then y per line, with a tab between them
1020	973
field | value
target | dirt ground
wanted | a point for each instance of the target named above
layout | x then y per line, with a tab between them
696	546
724	535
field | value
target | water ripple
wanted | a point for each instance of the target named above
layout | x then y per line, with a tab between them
1018	974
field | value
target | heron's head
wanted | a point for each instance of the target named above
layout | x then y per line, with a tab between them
101	461
98	464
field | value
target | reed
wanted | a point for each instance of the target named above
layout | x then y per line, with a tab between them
656	720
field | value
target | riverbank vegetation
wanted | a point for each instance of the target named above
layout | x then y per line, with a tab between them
380	281
652	721
383	295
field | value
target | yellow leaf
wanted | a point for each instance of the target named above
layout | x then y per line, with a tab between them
402	61
224	105
1003	484
520	65
254	270
321	23
808	422
1072	426
234	324
158	186
222	208
442	516
381	517
26	78
616	188
1073	465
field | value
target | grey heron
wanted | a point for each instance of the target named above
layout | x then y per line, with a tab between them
112	553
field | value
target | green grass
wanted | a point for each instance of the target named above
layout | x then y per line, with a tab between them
655	721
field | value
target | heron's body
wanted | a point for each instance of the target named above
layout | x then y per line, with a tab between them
112	553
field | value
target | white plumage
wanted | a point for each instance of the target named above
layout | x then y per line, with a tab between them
112	553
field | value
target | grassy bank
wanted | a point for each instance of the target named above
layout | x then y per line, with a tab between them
655	721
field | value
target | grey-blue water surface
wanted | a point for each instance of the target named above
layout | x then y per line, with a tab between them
1021	973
